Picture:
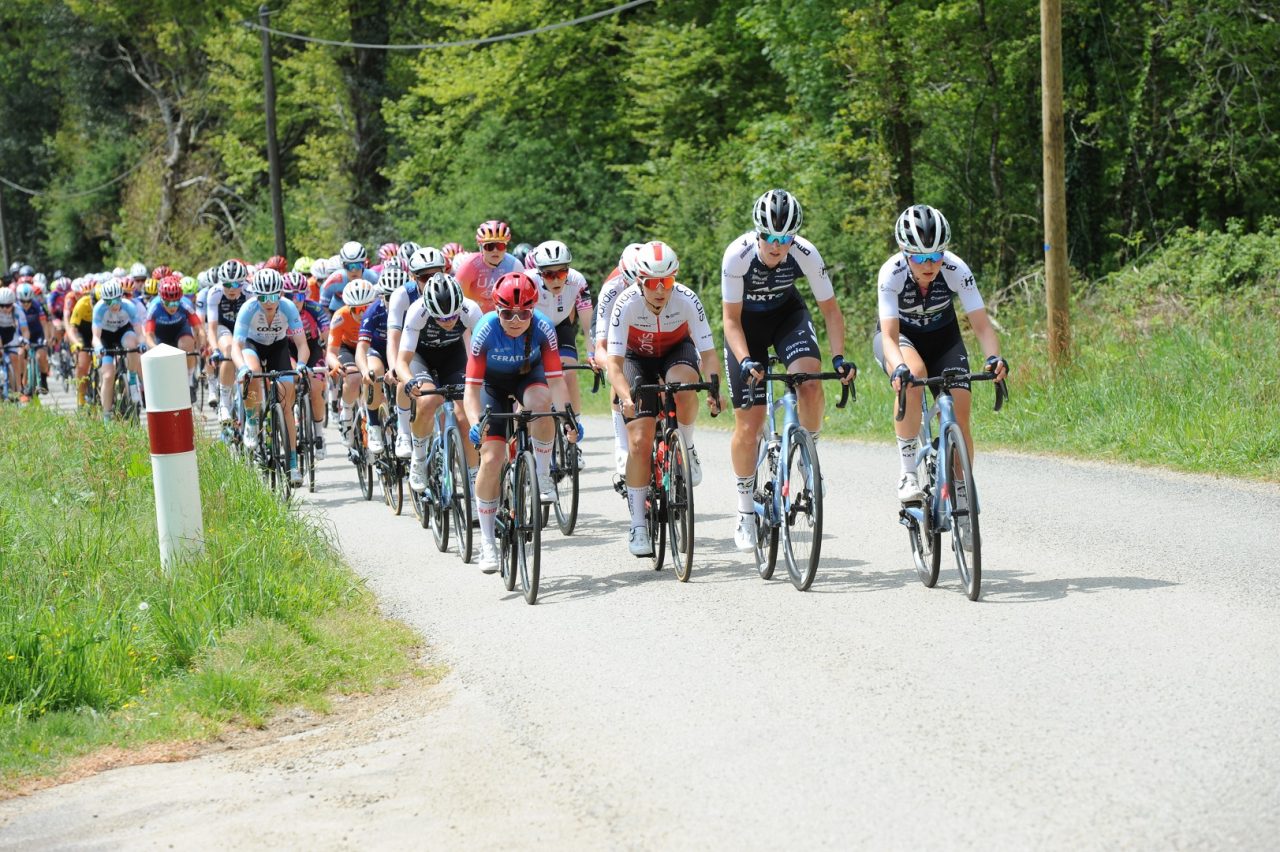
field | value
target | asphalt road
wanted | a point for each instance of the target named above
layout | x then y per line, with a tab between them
1116	686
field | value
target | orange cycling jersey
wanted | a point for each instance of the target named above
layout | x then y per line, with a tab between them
344	328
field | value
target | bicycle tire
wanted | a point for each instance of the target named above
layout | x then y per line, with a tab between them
655	510
802	510
766	546
419	509
528	530
437	508
392	480
280	449
925	541
364	470
461	503
507	536
970	565
680	513
564	469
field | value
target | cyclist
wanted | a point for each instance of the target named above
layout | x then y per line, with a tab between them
223	305
263	329
763	308
478	273
451	251
658	332
424	263
407	250
513	358
521	252
13	334
352	265
36	315
918	333
371	347
622	277
344	336
80	333
565	299
172	319
315	328
434	348
117	324
59	295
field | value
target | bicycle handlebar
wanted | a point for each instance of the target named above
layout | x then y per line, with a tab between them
524	416
453	393
712	386
596	372
793	380
951	377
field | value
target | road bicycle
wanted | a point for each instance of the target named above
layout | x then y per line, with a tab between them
788	490
669	507
272	452
447	500
63	365
566	465
6	365
390	468
126	407
305	430
518	524
945	474
357	444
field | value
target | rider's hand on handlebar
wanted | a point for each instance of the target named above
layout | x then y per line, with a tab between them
627	407
847	369
574	431
474	434
714	404
998	366
901	374
751	371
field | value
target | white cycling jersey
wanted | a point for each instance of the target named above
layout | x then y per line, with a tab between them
399	304
744	277
421	328
902	299
637	331
609	292
557	306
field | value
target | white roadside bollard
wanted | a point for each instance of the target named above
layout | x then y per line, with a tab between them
179	519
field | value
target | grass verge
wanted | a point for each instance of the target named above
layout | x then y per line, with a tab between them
100	647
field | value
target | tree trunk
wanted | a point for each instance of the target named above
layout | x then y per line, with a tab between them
366	76
897	125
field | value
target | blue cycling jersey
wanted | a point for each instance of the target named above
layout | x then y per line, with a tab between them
496	357
373	328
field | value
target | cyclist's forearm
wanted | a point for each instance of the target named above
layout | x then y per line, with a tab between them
834	321
617	380
734	337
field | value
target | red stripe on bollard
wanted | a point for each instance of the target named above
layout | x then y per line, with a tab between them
171	432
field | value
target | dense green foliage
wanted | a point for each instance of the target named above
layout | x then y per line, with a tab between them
91	628
663	121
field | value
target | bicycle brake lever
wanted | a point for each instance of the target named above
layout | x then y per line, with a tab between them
844	395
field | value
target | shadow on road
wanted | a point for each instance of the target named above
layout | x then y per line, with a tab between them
1008	587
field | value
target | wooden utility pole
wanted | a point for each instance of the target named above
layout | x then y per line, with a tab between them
4	238
273	149
1056	285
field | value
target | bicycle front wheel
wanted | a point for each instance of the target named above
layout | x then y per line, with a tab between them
528	529
460	502
966	542
802	510
766	547
279	453
564	472
680	506
437	499
507	531
392	481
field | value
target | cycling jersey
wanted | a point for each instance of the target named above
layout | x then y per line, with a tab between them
222	310
315	321
158	314
422	332
253	325
636	331
401	299
116	317
83	311
57	303
344	329
35	319
745	278
11	321
496	357
574	297
931	309
331	290
373	329
478	278
610	290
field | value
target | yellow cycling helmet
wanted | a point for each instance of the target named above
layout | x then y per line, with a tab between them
151	286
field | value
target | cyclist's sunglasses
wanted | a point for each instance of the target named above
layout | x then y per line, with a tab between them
508	314
7	307
172	304
425	275
232	285
115	301
450	318
924	258
270	298
555	273
778	239
493	246
353	266
665	283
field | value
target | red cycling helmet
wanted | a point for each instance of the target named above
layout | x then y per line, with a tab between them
515	291
278	263
161	271
170	289
493	231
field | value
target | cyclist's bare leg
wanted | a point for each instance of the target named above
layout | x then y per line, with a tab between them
489	479
571	381
909	426
809	398
290	426
963	404
745	441
538	398
640	441
686	401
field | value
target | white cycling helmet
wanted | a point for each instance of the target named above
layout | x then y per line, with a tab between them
627	263
25	292
7	297
320	269
777	212
138	270
391	279
120	272
442	295
112	289
358	293
408	249
233	272
353	252
426	259
267	282
922	229
656	260
551	253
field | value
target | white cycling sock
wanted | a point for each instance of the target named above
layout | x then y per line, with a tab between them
619	432
746	484
419	448
635	502
907	448
686	432
488	513
542	456
402	420
224	395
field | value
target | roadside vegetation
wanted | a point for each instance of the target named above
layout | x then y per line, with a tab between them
100	647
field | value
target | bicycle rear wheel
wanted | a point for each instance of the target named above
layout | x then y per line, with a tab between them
306	450
507	532
364	469
279	452
460	502
437	498
802	510
964	518
924	537
680	506
528	531
389	468
766	548
655	519
564	472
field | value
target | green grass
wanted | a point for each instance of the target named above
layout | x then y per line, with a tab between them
99	646
1152	383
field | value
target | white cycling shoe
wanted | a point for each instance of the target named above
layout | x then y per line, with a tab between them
250	438
546	488
319	446
224	412
418	474
744	535
695	468
404	446
488	558
375	440
639	543
295	477
909	490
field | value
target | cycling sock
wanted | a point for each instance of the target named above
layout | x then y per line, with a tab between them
402	420
419	448
746	484
488	512
375	416
686	432
907	447
635	502
619	432
224	395
346	414
542	456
